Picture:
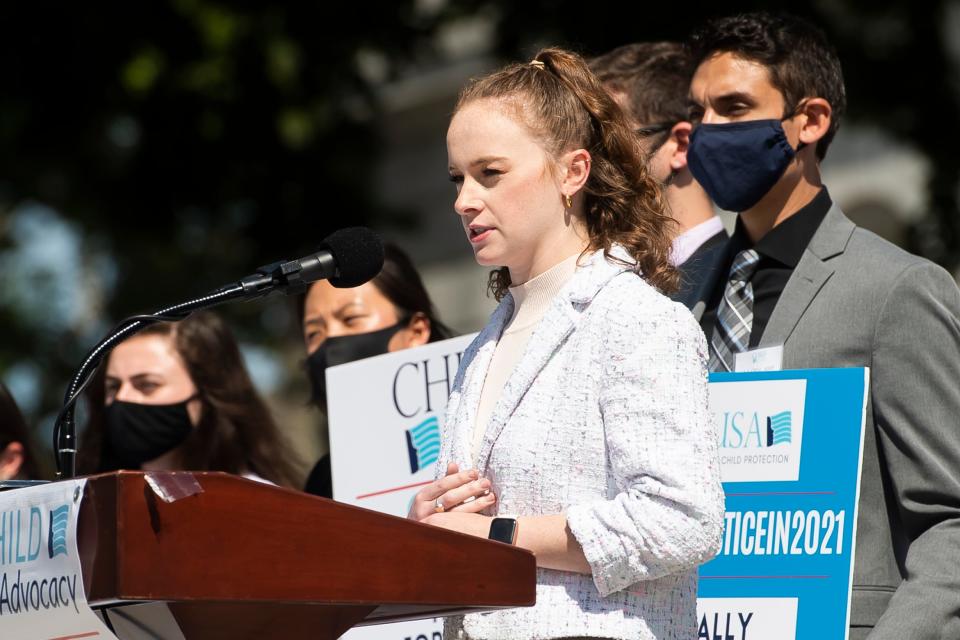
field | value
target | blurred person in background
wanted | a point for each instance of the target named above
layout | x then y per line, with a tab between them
390	313
17	455
651	82
177	396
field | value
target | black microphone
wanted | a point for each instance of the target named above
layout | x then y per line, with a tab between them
347	258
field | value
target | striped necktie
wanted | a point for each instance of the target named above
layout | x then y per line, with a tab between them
731	334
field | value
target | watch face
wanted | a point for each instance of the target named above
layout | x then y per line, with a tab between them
503	530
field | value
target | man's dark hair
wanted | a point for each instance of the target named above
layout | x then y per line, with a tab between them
654	77
801	61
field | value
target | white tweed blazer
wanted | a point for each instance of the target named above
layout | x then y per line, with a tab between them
605	419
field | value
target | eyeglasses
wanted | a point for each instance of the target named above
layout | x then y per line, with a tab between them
653	129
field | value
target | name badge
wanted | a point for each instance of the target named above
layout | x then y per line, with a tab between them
766	359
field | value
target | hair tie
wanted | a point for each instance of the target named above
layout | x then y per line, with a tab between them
537	63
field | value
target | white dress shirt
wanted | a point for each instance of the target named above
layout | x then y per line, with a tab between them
685	244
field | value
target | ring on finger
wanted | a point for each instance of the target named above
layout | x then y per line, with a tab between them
438	506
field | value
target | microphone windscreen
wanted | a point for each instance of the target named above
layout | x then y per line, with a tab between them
358	253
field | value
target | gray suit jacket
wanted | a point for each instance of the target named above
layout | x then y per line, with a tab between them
856	300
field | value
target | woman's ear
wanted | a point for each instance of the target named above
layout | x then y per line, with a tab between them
11	459
415	334
576	166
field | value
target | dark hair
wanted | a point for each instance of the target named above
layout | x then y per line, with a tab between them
653	76
236	432
13	428
400	283
565	107
801	61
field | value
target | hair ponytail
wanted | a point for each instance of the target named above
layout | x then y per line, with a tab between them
565	107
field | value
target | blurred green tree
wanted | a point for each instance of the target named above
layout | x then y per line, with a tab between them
188	141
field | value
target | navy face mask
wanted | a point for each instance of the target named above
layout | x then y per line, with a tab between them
737	163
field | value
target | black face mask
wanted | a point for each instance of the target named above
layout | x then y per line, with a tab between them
138	433
344	349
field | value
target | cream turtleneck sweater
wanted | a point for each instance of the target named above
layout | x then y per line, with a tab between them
531	301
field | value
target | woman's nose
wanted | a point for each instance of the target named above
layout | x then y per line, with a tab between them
467	201
124	393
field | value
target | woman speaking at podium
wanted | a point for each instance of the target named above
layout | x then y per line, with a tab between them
579	414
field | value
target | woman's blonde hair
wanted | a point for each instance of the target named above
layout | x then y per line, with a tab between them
563	105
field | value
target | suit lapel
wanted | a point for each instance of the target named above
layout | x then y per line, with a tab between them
804	285
699	274
559	322
808	279
712	276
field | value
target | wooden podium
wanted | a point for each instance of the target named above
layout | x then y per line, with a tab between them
242	559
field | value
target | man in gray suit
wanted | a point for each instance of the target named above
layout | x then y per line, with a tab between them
799	274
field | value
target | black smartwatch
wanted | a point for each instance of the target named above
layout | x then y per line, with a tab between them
503	530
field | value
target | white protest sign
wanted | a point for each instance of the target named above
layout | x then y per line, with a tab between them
385	418
41	587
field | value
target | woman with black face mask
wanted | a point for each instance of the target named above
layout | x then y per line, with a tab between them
390	313
178	396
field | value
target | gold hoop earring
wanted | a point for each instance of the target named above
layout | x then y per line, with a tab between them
568	200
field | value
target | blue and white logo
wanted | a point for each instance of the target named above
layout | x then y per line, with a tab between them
779	428
759	428
423	444
57	539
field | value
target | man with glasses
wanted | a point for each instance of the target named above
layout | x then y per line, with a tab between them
650	80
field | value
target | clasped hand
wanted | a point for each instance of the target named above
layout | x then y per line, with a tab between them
462	496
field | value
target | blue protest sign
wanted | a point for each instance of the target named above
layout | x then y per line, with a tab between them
790	453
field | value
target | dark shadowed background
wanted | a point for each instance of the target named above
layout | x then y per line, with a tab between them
153	151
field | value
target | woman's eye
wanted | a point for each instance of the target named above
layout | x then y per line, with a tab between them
488	172
456	179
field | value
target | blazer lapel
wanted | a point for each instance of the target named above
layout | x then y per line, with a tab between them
808	278
558	322
555	326
464	415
